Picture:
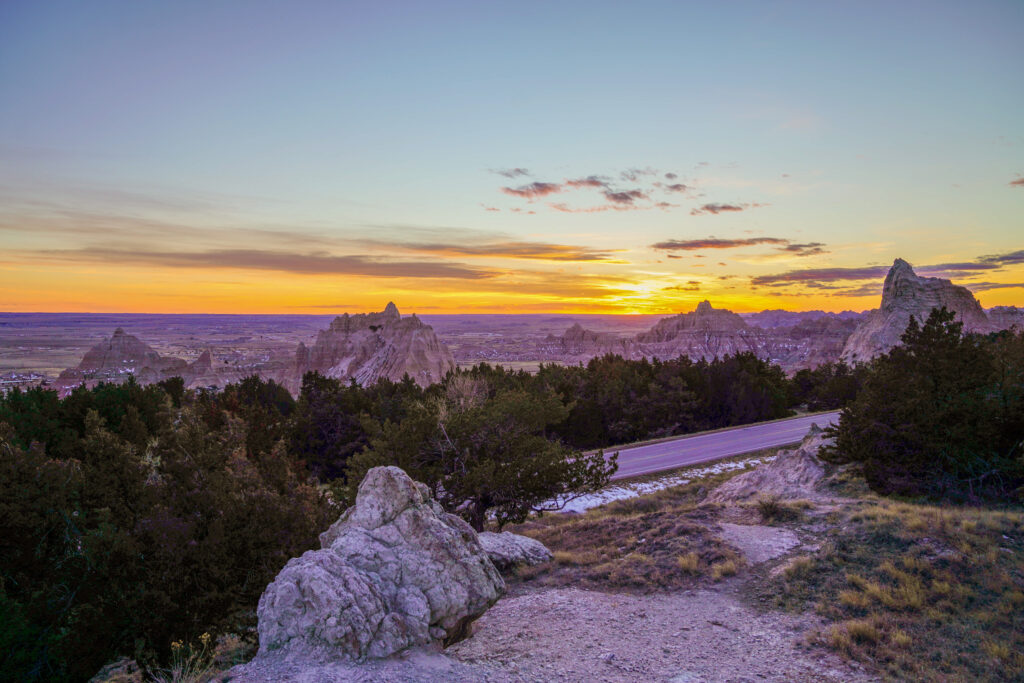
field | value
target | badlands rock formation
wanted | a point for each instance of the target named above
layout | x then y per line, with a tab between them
702	331
906	295
708	332
395	572
793	474
114	359
370	346
1007	317
778	317
508	550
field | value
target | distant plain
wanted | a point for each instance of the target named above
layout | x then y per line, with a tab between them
47	343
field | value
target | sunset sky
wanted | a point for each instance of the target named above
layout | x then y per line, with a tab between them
288	157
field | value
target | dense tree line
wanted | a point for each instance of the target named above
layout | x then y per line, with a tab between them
941	415
133	516
127	523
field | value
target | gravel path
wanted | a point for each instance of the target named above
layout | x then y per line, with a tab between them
702	635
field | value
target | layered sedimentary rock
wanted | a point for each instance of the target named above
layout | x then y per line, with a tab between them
395	571
813	342
707	333
694	329
370	346
113	360
580	342
906	295
1007	317
777	317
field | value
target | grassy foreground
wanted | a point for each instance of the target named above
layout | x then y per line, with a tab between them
915	591
659	541
922	592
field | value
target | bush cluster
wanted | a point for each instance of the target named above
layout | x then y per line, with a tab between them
941	415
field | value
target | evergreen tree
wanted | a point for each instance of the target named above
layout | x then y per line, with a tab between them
938	415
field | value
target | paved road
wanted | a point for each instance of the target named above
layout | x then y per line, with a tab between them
688	450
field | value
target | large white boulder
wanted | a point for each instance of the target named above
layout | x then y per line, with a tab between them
395	571
508	550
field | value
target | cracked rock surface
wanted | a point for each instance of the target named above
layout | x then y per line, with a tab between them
508	550
395	572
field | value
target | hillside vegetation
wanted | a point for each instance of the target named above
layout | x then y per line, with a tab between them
134	520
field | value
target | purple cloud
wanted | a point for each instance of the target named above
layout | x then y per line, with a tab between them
627	197
533	190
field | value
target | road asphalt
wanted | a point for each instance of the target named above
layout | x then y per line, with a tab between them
688	450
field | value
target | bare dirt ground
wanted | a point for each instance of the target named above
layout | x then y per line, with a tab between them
700	635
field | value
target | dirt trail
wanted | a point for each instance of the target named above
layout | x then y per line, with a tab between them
701	635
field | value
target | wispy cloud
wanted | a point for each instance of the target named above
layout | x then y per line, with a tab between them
511	172
715	243
716	209
315	263
533	190
690	286
541	251
1010	258
1019	182
589	181
818	277
985	286
562	207
617	198
780	244
808	249
626	197
634	174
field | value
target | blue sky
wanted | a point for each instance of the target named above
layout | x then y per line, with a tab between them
269	156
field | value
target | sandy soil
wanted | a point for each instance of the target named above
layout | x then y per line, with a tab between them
703	635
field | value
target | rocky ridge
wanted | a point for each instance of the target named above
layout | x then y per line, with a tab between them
707	333
370	346
1007	317
364	347
906	295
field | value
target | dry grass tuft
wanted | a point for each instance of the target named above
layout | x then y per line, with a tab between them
656	542
689	563
722	569
924	592
773	509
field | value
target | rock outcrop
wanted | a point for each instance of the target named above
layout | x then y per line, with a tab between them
123	670
906	295
793	474
699	323
370	346
508	550
707	333
777	317
113	360
395	572
1007	317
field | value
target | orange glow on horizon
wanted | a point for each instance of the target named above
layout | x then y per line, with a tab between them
156	290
